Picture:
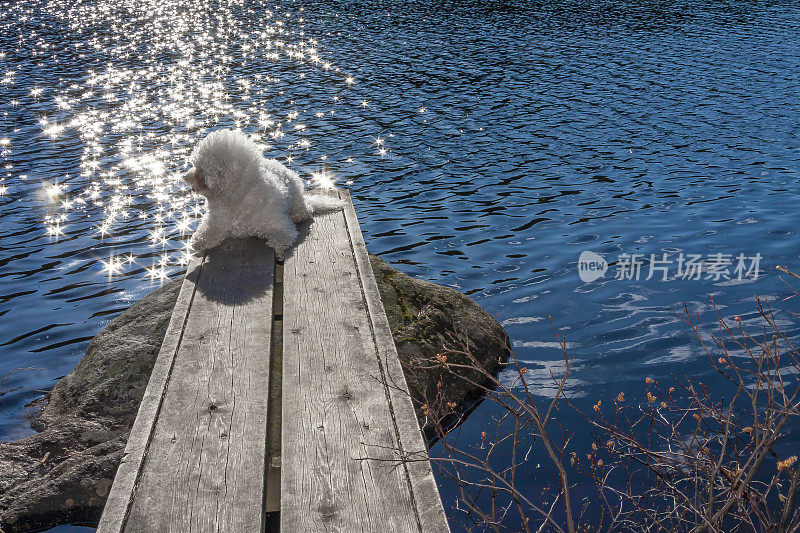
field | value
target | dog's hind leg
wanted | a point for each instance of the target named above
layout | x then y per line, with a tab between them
298	210
281	237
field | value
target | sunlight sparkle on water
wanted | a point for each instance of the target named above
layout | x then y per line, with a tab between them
166	79
323	180
113	266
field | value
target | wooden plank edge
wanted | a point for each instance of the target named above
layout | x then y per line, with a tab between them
419	474
126	479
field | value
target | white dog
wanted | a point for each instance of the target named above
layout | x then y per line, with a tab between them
248	195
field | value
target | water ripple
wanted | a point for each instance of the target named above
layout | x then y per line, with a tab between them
486	145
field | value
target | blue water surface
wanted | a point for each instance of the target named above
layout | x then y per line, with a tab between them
486	144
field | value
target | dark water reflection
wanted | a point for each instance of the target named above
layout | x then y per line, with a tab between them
486	144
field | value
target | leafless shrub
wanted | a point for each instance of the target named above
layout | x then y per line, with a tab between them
486	475
695	460
687	458
7	376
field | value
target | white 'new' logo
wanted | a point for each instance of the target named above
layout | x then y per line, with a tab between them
591	266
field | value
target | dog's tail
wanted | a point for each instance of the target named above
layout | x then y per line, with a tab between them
319	204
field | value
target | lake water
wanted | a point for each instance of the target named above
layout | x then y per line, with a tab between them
486	144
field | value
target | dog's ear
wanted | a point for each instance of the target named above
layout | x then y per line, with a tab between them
210	175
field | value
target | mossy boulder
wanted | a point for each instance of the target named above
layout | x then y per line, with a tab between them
434	327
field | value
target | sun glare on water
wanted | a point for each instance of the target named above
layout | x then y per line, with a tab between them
168	73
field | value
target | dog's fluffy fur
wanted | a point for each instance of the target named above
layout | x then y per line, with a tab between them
248	195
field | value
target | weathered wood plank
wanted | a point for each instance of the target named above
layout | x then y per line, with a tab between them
119	498
204	467
425	492
339	469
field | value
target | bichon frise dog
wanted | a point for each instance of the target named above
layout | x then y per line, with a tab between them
248	195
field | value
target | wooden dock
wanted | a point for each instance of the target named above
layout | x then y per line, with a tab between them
277	387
